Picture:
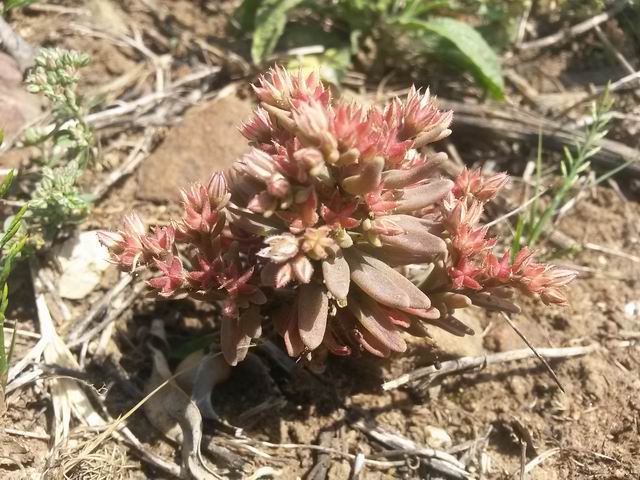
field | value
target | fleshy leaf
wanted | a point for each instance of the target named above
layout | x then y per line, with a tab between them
377	322
382	285
420	197
337	276
417	240
233	342
417	298
313	309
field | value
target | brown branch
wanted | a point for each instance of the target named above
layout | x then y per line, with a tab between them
578	29
514	124
431	373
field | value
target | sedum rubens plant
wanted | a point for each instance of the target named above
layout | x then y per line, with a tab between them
307	231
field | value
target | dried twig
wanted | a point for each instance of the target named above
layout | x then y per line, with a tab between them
575	30
534	350
611	47
140	151
321	468
112	315
440	461
514	124
527	468
431	373
248	442
99	308
515	210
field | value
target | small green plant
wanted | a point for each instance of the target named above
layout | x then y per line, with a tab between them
66	147
399	29
8	5
11	244
574	169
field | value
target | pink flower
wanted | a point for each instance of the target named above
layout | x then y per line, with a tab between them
126	246
464	275
471	183
171	279
498	269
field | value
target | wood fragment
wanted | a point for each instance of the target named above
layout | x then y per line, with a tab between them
140	151
99	308
576	30
323	462
431	373
614	51
441	462
515	124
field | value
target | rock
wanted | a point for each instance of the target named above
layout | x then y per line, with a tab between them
437	438
206	140
82	260
17	106
453	346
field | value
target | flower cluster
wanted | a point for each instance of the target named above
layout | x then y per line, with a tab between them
307	231
474	267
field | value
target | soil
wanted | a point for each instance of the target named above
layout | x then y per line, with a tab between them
591	430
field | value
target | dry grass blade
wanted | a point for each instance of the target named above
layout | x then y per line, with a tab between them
117	429
67	396
533	349
528	467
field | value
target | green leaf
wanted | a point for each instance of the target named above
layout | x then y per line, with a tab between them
6	183
270	21
13	4
244	18
469	42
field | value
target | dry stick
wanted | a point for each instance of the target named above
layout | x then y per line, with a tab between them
465	363
138	154
245	442
106	117
515	210
611	47
16	46
533	349
111	316
536	461
100	307
578	29
515	124
617	85
443	462
611	251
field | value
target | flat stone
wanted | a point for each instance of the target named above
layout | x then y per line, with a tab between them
206	140
83	260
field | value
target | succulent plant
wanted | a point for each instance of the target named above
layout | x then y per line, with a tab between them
311	229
